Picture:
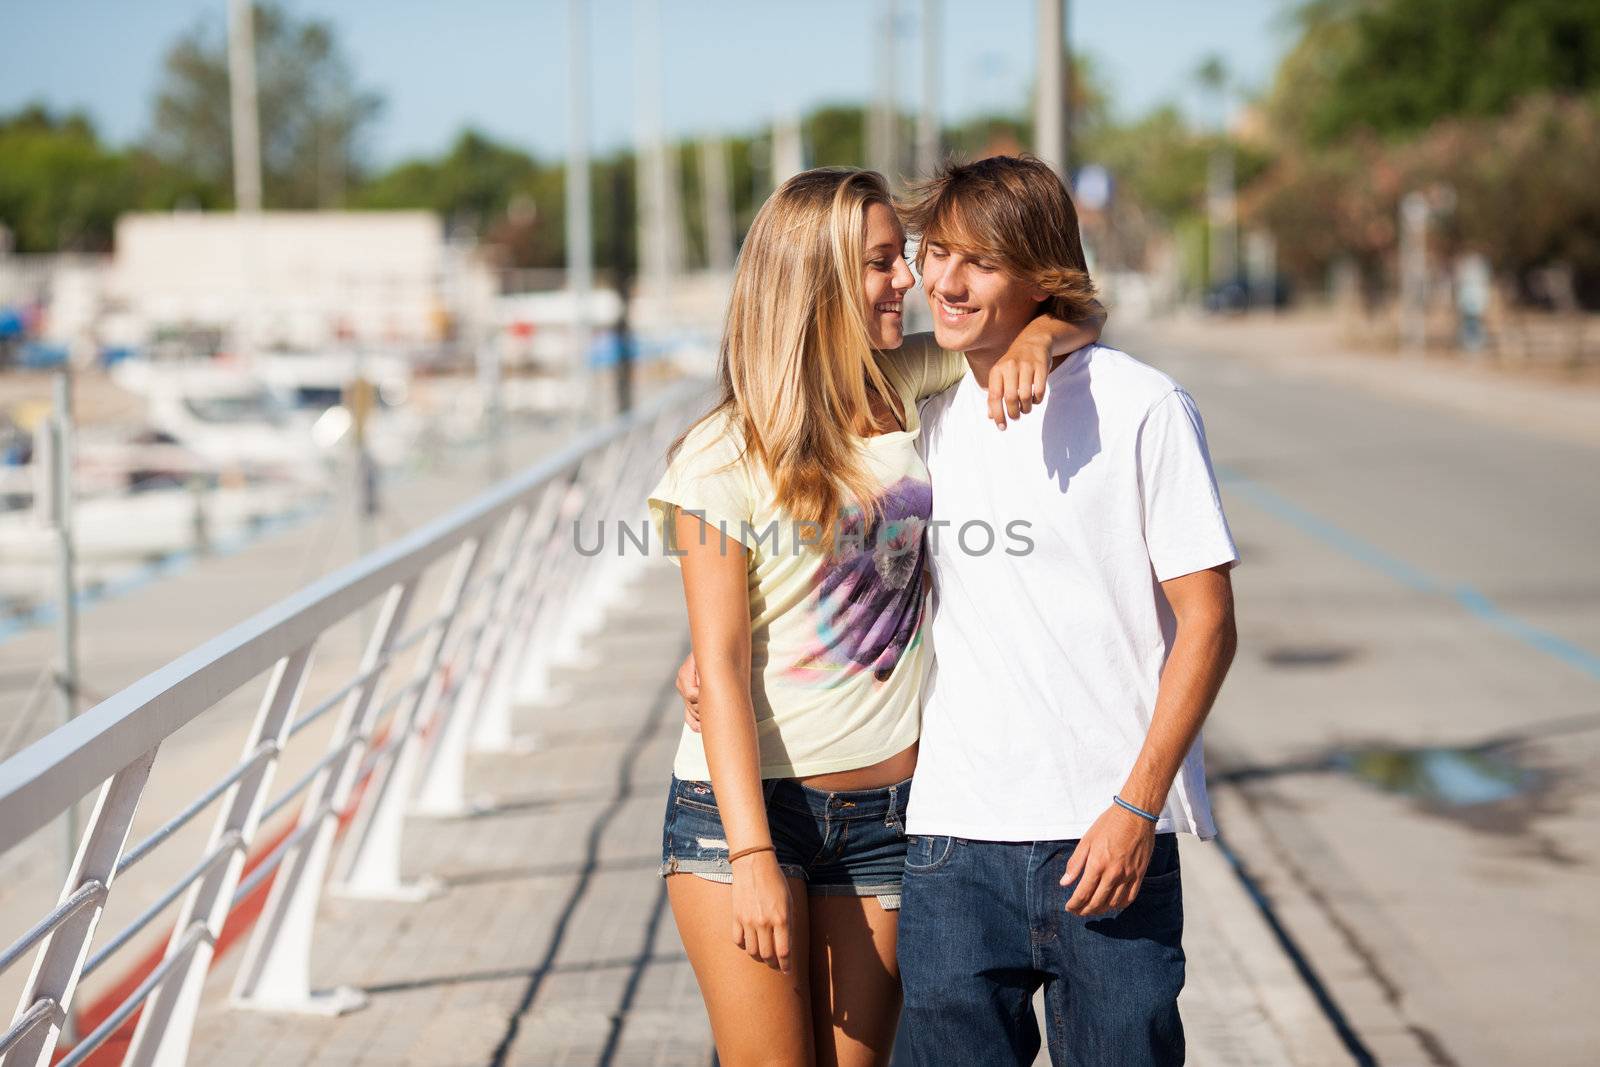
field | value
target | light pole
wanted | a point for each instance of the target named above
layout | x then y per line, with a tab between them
882	118
245	122
928	140
242	99
660	217
54	506
1051	136
1221	202
717	203
580	251
1414	273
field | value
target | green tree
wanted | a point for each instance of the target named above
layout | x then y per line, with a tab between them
312	111
1158	160
1398	66
1524	187
471	185
836	136
62	190
59	187
510	199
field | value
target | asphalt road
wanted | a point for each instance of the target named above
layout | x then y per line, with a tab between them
1414	714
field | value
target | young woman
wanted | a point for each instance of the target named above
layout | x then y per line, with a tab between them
796	510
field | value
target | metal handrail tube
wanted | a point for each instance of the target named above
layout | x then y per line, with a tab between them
411	637
490	578
438	618
41	1010
328	758
332	700
224	848
87	893
270	861
39	782
418	679
334	753
97	1037
195	807
450	681
376	752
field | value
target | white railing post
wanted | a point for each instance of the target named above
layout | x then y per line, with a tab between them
275	973
532	683
640	473
59	960
550	637
493	732
441	791
622	501
554	641
582	611
369	864
167	1021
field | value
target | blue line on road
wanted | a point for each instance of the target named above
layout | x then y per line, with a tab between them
1465	596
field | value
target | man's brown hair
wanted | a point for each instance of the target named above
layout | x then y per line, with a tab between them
1012	210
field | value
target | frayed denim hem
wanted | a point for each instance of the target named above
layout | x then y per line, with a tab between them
888	895
718	870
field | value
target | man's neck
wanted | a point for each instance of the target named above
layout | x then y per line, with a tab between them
980	363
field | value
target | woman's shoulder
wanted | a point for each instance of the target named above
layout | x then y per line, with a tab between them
913	350
920	366
716	441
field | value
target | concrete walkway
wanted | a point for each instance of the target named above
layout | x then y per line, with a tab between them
553	944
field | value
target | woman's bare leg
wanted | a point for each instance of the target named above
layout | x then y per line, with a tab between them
759	1015
855	982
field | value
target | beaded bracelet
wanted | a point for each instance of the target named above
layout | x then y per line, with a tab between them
1137	811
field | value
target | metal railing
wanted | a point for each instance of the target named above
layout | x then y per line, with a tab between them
517	600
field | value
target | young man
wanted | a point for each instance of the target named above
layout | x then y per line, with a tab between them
1082	626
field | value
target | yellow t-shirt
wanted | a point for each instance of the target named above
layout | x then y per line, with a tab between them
837	652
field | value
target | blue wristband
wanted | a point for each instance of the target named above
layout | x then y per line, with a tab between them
1137	811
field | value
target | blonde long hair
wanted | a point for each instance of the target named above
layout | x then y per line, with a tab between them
796	359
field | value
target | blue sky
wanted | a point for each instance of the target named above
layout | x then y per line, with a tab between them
499	64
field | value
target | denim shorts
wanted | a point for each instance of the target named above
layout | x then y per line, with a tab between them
850	843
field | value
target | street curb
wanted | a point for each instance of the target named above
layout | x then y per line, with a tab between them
1215	895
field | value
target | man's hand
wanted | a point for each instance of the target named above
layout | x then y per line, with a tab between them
1109	862
689	689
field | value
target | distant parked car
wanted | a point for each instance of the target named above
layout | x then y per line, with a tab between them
1236	296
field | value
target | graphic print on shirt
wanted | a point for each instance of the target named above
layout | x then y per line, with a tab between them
868	604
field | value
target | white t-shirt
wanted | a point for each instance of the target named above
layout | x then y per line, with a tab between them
1048	643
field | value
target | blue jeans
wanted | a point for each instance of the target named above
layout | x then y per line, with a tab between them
983	924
